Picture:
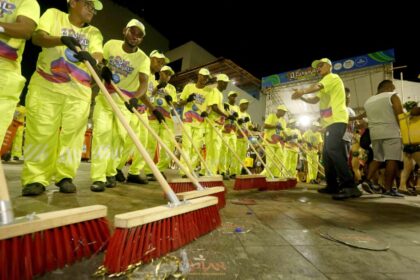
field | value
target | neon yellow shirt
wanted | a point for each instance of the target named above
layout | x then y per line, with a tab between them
332	103
313	138
56	68
215	98
230	126
11	49
292	137
245	126
125	68
20	113
274	135
159	100
192	110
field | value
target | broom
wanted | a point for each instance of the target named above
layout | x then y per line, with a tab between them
207	181
183	194
305	152
290	181
271	183
145	234
32	246
242	182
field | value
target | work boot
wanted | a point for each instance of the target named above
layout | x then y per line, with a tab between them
66	185
136	179
33	189
120	176
150	177
111	182
97	186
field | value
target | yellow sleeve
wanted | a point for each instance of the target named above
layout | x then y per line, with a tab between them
47	20
145	66
29	9
95	41
185	92
171	90
107	46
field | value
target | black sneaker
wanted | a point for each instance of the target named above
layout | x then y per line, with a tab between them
111	182
150	177
16	158
33	189
120	176
225	176
394	192
233	176
347	193
98	186
66	185
136	179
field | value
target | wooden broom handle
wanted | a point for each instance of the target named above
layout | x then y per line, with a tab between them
4	192
255	151
166	188
159	140
227	145
191	141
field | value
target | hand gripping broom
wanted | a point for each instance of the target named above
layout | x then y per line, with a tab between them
32	246
242	182
211	180
219	191
271	183
145	234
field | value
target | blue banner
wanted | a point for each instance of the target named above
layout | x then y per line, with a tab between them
348	64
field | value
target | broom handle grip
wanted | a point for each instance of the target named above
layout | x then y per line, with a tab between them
255	151
166	188
4	192
227	145
159	140
192	143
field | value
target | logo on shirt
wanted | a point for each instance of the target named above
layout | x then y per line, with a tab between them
6	8
83	41
120	66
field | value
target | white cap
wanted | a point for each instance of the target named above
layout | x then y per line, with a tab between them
138	24
157	54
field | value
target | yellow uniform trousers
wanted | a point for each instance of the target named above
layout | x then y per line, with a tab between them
130	150
274	154
11	85
213	144
197	135
291	160
152	144
17	142
312	159
109	138
55	129
226	157
241	150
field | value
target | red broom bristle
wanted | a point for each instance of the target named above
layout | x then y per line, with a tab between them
153	240
221	199
249	183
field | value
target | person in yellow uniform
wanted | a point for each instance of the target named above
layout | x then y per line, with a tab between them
59	96
18	141
274	126
156	61
229	134
334	118
128	67
18	19
162	93
193	98
217	115
312	143
291	147
244	121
